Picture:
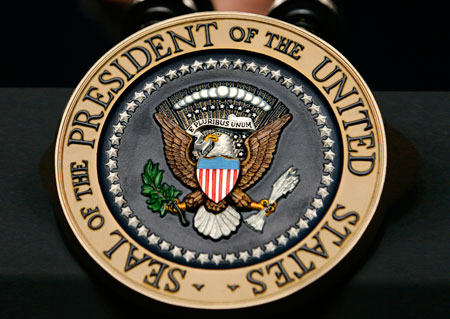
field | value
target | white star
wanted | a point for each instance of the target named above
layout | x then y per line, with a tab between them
306	98
197	111
247	111
184	69
329	155
224	63
164	245
213	107
276	75
257	252
115	189
133	221
197	66
231	106
131	106
175	251
189	255
302	224
231	258
327	142
217	258
112	152
171	74
317	203
126	211
211	64
112	164
118	128
320	119
310	214
270	247
293	232
160	80
142	231
222	106
139	96
297	89
243	255
251	67
203	258
124	117
282	240
240	108
328	168
149	88
153	239
314	109
115	140
287	82
189	115
112	177
254	115
238	64
326	180
119	200
325	131
322	192
264	70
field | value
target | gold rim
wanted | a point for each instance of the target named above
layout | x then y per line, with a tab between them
95	243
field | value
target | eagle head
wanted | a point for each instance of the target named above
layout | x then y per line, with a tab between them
214	144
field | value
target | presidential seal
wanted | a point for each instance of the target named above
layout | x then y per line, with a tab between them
220	160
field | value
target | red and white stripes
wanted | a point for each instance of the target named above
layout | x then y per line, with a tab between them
217	183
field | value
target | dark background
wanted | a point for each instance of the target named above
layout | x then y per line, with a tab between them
395	45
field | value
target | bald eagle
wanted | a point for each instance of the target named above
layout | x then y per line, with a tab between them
216	220
214	144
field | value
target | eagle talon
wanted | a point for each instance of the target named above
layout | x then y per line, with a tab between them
177	208
259	206
271	208
171	207
264	204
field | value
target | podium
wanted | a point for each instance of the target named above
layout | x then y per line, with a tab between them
404	274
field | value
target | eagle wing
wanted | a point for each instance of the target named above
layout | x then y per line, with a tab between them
261	146
177	145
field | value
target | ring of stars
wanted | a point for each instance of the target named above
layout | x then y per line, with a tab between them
227	257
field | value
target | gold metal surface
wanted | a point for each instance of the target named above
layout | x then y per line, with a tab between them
355	193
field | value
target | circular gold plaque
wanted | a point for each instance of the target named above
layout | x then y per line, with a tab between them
220	160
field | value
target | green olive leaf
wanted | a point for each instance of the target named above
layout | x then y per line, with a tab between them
154	171
163	210
148	168
158	179
159	194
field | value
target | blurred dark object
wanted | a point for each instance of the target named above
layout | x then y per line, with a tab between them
142	14
395	46
320	17
405	275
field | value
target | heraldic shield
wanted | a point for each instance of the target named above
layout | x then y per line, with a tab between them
217	176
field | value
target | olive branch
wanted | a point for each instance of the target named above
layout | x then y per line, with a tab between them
160	195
